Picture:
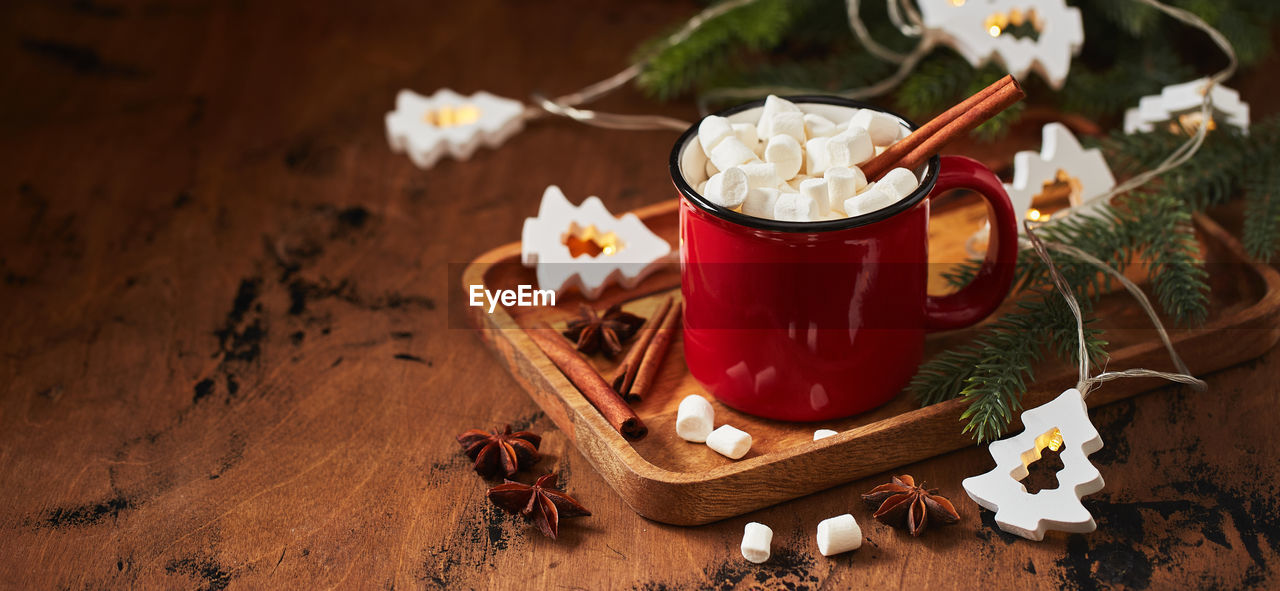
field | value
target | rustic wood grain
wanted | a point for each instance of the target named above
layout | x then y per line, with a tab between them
234	355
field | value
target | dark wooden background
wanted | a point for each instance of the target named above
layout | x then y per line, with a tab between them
229	359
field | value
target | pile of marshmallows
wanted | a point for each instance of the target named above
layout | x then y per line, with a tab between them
796	166
694	422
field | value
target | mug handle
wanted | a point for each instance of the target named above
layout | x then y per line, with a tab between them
994	279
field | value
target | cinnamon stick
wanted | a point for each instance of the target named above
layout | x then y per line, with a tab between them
928	139
656	352
625	375
588	381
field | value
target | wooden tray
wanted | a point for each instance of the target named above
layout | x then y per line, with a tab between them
667	479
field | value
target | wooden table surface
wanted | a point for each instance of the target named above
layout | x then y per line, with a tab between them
234	353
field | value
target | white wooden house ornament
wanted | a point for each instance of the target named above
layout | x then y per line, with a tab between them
1061	160
1177	108
1065	421
586	247
984	30
447	123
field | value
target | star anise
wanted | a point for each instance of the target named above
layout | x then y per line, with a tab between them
540	503
500	453
593	332
901	500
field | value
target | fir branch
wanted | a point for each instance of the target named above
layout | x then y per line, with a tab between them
1262	215
674	69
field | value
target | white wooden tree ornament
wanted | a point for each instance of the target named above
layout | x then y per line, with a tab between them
1064	421
1177	107
587	247
1061	159
446	122
980	31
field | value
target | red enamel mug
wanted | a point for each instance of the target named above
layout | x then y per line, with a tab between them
808	321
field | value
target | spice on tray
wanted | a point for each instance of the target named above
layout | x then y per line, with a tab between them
593	332
500	453
625	375
588	381
540	503
901	501
655	353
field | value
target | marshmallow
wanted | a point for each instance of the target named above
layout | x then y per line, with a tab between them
711	169
772	106
843	183
693	164
823	434
883	127
761	174
791	124
756	541
818	126
712	131
760	202
902	180
746	134
785	152
728	188
849	147
731	152
729	442
695	418
816	189
877	196
839	534
794	207
816	150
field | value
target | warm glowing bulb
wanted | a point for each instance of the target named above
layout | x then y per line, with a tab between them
609	249
957	2
994	31
1034	215
1055	440
449	116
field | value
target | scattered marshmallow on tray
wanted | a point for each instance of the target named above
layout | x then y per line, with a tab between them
797	166
823	434
729	442
695	418
839	534
757	539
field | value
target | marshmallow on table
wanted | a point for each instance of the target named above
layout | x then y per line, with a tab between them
772	106
839	534
882	127
731	152
816	189
761	174
794	207
817	160
760	202
843	183
788	123
728	188
818	126
823	434
694	419
785	152
902	180
756	541
712	131
849	147
729	442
